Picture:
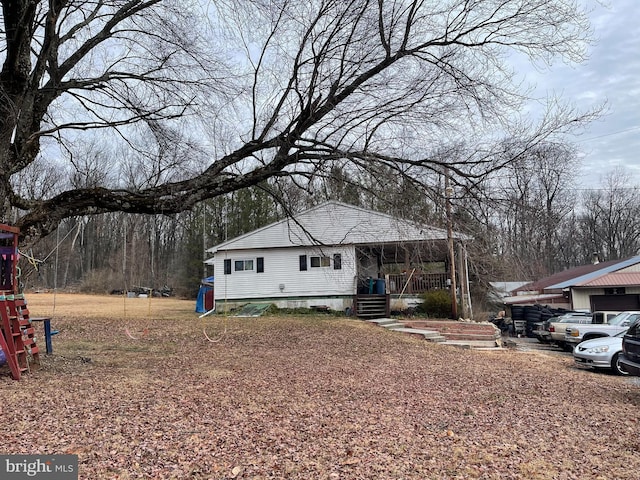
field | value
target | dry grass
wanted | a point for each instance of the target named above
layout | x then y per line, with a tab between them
305	397
109	306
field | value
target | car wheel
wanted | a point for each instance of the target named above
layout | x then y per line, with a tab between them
616	367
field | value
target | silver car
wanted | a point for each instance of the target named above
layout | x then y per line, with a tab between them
603	352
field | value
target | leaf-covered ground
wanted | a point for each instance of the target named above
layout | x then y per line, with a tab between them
158	393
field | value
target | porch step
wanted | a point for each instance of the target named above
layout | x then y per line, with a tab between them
371	306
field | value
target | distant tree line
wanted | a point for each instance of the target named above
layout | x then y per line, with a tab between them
530	222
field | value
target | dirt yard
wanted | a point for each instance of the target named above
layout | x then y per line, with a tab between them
143	388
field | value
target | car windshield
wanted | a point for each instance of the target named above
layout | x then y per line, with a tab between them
575	320
622	317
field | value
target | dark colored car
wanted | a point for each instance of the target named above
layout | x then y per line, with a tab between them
630	359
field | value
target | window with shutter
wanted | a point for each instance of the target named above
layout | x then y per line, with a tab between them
243	265
317	262
303	262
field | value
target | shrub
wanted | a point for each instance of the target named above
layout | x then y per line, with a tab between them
435	303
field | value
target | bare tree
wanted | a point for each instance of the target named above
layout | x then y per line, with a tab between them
521	221
303	84
610	223
537	196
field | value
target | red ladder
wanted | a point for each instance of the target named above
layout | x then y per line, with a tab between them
18	335
28	331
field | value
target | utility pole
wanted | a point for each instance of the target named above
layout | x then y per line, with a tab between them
465	300
448	193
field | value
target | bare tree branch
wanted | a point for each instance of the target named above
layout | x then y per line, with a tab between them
265	89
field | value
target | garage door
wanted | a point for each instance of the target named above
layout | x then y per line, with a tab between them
615	302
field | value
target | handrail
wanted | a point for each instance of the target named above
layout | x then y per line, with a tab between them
415	283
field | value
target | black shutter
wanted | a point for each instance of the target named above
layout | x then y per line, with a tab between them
337	261
227	266
303	262
260	265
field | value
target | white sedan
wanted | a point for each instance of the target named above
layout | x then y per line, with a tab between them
599	353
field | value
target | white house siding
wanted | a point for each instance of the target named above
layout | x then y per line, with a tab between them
282	268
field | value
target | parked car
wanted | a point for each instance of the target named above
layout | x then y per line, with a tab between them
553	330
543	330
601	353
620	323
630	359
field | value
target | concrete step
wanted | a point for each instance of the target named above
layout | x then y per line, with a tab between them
454	331
458	334
475	344
430	335
391	326
383	321
386	323
471	336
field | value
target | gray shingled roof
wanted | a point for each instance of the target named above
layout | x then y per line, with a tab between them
335	223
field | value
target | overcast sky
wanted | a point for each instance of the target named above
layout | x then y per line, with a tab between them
611	74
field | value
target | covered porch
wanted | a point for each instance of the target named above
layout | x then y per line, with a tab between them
405	270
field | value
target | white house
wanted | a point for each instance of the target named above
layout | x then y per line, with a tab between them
327	255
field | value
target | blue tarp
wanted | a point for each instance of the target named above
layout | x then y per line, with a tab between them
206	285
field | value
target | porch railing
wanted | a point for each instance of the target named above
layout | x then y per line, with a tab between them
416	283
